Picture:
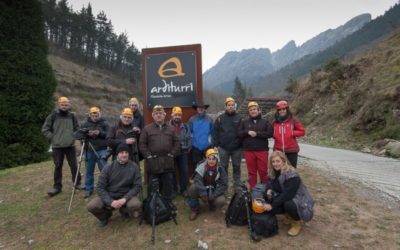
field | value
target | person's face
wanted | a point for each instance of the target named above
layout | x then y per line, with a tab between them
126	119
282	112
253	111
94	117
123	155
177	117
158	116
64	106
134	106
200	110
211	160
277	163
230	107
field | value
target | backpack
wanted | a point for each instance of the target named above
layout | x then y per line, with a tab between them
264	224
236	214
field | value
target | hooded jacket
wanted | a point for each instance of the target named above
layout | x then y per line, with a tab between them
285	133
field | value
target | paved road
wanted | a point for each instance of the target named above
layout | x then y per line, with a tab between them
379	172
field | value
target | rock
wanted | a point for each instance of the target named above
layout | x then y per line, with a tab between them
205	220
393	148
167	241
202	245
366	150
197	231
31	242
336	246
382	152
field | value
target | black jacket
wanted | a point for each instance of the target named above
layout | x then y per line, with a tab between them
118	135
263	129
99	142
226	131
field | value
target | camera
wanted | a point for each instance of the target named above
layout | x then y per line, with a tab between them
81	133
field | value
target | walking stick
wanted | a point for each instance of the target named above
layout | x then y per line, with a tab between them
76	175
246	198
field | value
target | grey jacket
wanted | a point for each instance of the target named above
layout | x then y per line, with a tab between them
59	129
221	180
119	181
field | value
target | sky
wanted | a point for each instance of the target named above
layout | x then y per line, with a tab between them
221	26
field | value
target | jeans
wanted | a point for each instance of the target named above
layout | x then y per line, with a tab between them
236	157
182	162
91	160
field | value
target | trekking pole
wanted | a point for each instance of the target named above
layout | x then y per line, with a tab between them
246	198
98	158
153	221
76	175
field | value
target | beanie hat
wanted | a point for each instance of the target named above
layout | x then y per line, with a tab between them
122	147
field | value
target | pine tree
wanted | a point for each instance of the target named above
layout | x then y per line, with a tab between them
27	83
239	91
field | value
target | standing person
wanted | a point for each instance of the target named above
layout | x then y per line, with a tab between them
210	184
201	127
94	131
286	129
254	132
159	144
226	138
118	188
138	122
59	128
286	192
124	133
185	138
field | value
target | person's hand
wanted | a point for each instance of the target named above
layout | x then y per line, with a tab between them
115	204
269	192
267	207
204	198
96	132
130	141
136	130
252	133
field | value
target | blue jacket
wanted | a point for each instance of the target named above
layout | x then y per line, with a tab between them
201	127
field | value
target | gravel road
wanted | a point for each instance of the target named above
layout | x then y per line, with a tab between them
380	173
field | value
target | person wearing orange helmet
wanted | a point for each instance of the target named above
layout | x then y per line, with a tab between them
59	128
254	132
185	138
210	184
286	129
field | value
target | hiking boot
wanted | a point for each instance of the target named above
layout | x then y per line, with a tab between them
255	237
286	220
53	192
80	187
87	194
193	214
103	223
295	228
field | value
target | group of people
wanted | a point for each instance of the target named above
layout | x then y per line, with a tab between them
166	145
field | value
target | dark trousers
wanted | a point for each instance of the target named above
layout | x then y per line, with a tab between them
102	212
292	158
288	207
165	184
58	158
182	166
197	156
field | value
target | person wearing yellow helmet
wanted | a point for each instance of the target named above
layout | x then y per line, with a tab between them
123	132
59	128
226	138
94	131
254	132
210	184
185	138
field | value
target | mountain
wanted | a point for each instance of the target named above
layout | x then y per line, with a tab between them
370	33
250	65
353	103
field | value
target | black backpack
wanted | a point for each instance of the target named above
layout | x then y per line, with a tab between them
236	214
159	207
264	224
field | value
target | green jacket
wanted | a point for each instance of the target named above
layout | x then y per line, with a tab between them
59	129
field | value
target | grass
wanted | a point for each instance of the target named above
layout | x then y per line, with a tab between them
27	213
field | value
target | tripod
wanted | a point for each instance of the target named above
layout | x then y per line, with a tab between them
98	158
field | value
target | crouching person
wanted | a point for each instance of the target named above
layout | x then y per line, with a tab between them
210	184
285	194
118	187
